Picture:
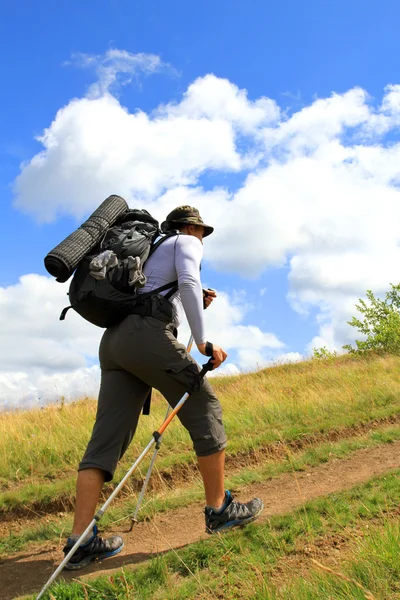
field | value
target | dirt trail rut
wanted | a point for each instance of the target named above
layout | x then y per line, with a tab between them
26	572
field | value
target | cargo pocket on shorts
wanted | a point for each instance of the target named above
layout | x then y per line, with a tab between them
185	371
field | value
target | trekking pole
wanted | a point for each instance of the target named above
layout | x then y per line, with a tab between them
153	459
156	436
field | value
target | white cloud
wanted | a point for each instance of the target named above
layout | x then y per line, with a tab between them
224	321
315	125
218	99
34	389
96	147
289	357
43	359
31	333
247	346
319	195
38	353
249	360
226	369
117	67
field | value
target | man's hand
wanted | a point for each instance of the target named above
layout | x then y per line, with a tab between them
219	355
208	296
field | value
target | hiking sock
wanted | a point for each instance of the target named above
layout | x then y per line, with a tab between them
221	508
75	537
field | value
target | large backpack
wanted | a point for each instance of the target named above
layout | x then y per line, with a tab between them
104	287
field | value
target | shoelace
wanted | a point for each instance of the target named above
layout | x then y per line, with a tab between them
99	544
237	509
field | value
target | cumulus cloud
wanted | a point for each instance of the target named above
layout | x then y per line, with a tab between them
35	389
318	192
43	359
38	353
224	321
248	347
96	147
227	369
214	98
31	333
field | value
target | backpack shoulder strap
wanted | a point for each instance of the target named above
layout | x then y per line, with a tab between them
163	239
173	286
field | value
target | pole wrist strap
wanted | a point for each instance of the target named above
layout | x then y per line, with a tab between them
209	349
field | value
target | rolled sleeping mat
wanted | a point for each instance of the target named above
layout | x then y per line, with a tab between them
62	261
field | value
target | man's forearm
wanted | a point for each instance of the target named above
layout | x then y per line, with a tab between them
192	300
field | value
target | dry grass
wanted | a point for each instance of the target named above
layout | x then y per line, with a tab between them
280	403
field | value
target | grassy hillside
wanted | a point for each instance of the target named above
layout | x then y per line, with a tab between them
287	405
281	419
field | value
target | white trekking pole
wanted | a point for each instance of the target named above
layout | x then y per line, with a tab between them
153	459
156	436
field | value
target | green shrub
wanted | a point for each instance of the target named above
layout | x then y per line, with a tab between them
380	325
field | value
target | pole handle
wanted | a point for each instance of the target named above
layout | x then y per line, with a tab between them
205	368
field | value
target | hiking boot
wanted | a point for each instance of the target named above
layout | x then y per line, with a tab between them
232	514
95	548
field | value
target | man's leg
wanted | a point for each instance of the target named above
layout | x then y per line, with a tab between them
202	416
121	399
212	471
88	489
152	353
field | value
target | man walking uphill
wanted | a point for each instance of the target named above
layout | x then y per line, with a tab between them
140	353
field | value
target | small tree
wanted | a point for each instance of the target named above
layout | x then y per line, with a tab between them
380	325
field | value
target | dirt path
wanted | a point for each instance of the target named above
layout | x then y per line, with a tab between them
25	573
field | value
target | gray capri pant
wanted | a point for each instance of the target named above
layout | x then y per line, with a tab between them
135	356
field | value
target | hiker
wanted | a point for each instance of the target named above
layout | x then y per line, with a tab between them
140	353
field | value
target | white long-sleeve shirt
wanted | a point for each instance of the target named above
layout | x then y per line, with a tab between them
179	258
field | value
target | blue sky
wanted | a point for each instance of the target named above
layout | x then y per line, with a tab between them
290	52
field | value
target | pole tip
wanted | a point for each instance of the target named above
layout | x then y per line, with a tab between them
133	521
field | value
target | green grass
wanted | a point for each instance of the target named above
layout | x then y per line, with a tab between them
372	571
52	528
243	564
40	450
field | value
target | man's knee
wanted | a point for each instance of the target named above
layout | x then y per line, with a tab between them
203	420
203	451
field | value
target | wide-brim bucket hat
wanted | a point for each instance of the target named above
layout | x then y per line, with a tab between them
185	215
